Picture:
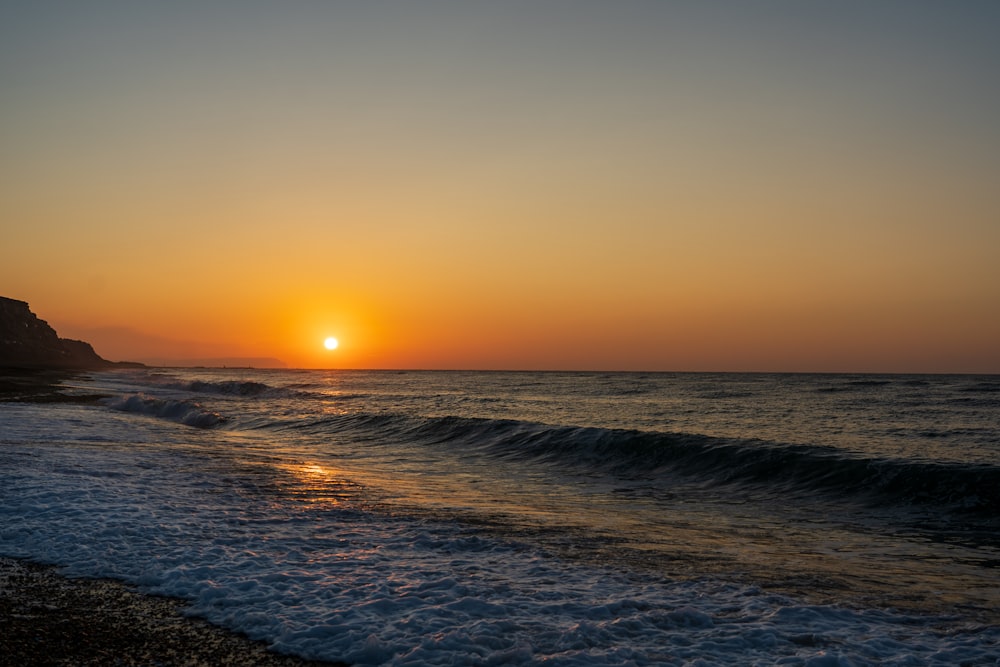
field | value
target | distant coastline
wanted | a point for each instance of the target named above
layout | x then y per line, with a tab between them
218	362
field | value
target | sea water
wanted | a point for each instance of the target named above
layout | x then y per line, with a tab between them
412	518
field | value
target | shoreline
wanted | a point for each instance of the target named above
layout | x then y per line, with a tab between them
50	619
42	385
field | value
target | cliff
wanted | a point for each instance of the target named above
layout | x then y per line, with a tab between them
28	342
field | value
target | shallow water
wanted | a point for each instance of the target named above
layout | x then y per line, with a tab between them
570	518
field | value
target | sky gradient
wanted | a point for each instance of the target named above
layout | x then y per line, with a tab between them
733	186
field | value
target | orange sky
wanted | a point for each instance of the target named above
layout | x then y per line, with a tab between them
631	185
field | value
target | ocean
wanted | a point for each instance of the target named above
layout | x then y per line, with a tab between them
551	518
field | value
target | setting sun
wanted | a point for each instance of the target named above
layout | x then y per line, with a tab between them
330	343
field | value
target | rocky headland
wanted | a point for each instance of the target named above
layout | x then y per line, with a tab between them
27	342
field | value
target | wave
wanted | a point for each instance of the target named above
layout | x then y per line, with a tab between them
251	389
984	387
776	468
232	387
242	388
181	411
246	388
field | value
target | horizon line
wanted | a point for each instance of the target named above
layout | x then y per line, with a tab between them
562	370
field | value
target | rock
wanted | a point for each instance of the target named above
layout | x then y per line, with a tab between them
28	342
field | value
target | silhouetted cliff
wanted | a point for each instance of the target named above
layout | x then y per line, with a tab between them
28	342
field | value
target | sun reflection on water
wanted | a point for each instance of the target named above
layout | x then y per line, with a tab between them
319	484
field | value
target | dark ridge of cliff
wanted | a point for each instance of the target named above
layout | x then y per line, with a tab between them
30	343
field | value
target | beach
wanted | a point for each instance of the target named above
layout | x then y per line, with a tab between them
51	620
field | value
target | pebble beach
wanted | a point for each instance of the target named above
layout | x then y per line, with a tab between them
51	620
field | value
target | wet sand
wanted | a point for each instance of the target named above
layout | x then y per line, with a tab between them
47	619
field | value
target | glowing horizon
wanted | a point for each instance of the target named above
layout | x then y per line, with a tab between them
628	186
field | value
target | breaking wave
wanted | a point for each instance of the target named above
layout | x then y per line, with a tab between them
181	411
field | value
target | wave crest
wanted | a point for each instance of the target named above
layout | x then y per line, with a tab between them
184	412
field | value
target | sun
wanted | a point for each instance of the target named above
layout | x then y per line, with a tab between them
330	343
